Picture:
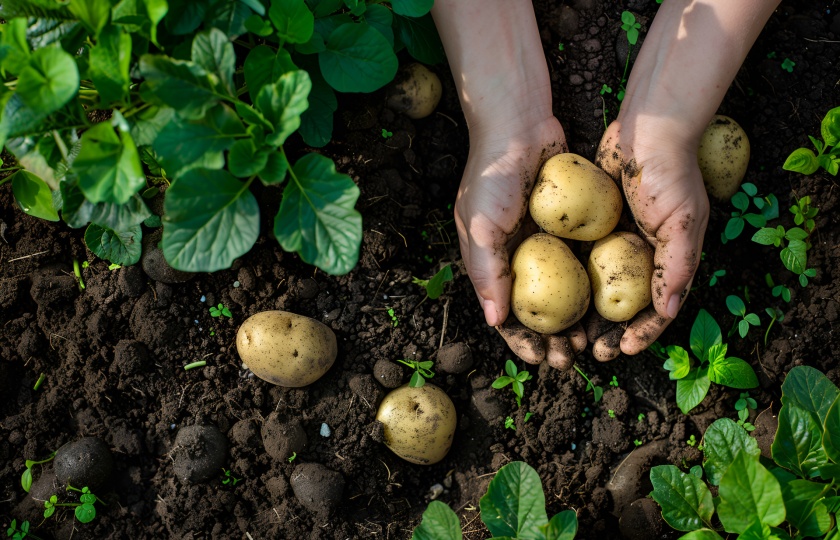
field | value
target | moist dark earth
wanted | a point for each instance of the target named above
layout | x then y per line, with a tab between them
114	353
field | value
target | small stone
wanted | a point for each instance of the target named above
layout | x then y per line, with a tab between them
435	491
236	284
325	430
203	298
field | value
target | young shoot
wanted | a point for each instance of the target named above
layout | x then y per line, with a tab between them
516	379
422	371
775	315
737	307
26	477
394	320
803	160
434	285
777	290
597	391
220	311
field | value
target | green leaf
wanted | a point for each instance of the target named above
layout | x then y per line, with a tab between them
804	508
678	362
831	437
33	195
140	16
685	500
767	236
795	233
808	389
752	319
78	211
263	66
420	37
149	123
514	504
118	247
732	372
735	305
435	287
213	51
184	86
417	380
93	13
692	389
229	17
14	49
412	8
380	18
802	160
85	513
211	218
748	492
109	62
316	123
749	188
756	220
358	59
185	16
439	523
317	218
563	526
740	201
501	382
25	481
108	165
723	441
795	257
705	332
510	368
245	159
49	81
734	227
282	103
701	534
292	19
830	127
259	26
275	169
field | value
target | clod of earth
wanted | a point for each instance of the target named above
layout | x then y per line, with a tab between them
454	358
156	266
316	487
86	462
199	453
282	438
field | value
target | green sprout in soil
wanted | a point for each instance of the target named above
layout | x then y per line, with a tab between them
528	416
40	381
516	379
585	412
220	311
771	55
803	160
737	307
193	365
637	442
19	534
114	266
561	47
744	404
775	315
692	441
26	477
614	381
77	271
84	510
794	255
777	290
394	320
422	371
386	134
611	413
434	285
641	417
509	424
292	457
631	29
228	478
787	65
768	208
597	391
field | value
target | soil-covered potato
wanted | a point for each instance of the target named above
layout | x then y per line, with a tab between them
199	453
317	488
418	423
575	199
84	463
620	268
723	157
285	348
416	91
550	290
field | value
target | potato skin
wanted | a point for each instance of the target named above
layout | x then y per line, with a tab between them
550	290
416	92
723	157
620	268
418	423
575	199
285	348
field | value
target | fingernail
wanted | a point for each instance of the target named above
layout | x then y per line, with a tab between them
673	306
490	313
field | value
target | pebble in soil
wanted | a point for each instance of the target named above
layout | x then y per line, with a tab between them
199	453
86	462
454	358
316	487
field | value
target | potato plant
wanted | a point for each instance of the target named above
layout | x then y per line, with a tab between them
103	101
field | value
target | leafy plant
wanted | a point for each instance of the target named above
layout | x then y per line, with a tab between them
19	534
710	364
803	160
777	290
614	381
84	510
509	423
434	285
692	440
794	255
637	442
737	307
597	391
422	371
775	315
228	478
394	320
788	64
220	310
26	476
744	404
768	208
516	379
513	507
386	134
205	96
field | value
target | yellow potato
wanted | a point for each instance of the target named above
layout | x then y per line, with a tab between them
416	91
575	199
418	423
550	289
620	269
285	348
723	157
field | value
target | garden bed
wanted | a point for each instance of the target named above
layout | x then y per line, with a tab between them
100	382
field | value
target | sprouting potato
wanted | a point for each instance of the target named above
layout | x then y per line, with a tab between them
418	423
575	199
416	91
620	268
723	157
285	348
550	290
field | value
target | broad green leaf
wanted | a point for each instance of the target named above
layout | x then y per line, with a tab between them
49	81
322	8
735	305
255	5
140	16
229	17
108	165
263	66
214	52
316	123
795	257
831	437
85	513
184	86
692	389
380	18
802	160
804	507
185	16
705	332
282	103
211	218
701	534
275	169
149	123
118	247
439	523
756	531
33	195
678	362
808	389
748	492
358	59
830	127
563	526
252	117
420	37
723	441
734	227
317	218
514	504
245	159
740	201
732	372
796	233
435	287
93	13
292	20
78	211
14	49
766	236
685	500
412	8
109	62
756	220
259	26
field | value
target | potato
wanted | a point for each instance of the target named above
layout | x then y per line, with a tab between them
550	290
723	157
285	348
575	199
416	92
620	268
418	423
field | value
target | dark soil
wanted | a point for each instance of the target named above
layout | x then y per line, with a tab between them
114	353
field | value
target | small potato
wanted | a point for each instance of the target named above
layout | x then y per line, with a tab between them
723	157
418	423
285	348
550	289
416	92
620	269
575	199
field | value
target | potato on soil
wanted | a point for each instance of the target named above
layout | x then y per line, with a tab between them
285	348
418	423
575	199
416	91
550	290
723	157
620	268
86	462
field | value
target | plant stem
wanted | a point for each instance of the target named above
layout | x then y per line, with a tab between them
78	271
39	381
200	363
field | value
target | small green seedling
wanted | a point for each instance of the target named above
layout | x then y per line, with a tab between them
597	391
630	27
794	255
40	381
717	274
743	406
561	47
614	381
509	423
768	208
394	320
611	413
193	365
84	510
803	160
292	457
114	266
788	64
641	417
516	379
16	533
737	307
220	311
637	442
771	55
585	412
777	290
228	478
77	271
804	214
692	441
775	315
26	477
386	134
605	89
528	416
422	371
434	285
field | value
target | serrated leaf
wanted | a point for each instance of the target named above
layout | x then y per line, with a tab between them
50	80
514	504
264	66
282	103
33	195
439	523
118	247
748	492
420	38
213	51
723	441
705	332
109	62
183	85
692	388
357	59
685	500
317	218
292	20
108	166
412	8
563	526
795	257
830	127
678	362
211	218
802	160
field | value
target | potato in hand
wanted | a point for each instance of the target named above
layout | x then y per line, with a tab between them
620	268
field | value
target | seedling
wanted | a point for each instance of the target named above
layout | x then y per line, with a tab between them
78	273
193	365
631	29
737	307
40	381
516	379
794	255
561	47
19	534
386	134
768	208
771	54
292	457
614	381
509	424
220	311
605	89
611	413
394	320
585	412
803	160
637	442
788	64
528	416
26	477
114	266
228	478
434	285
775	315
422	371
641	417
84	510
777	290
717	274
597	391
692	441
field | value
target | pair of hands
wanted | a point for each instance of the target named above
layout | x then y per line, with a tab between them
664	192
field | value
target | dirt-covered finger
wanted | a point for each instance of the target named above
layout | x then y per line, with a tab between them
608	346
677	256
643	331
528	345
